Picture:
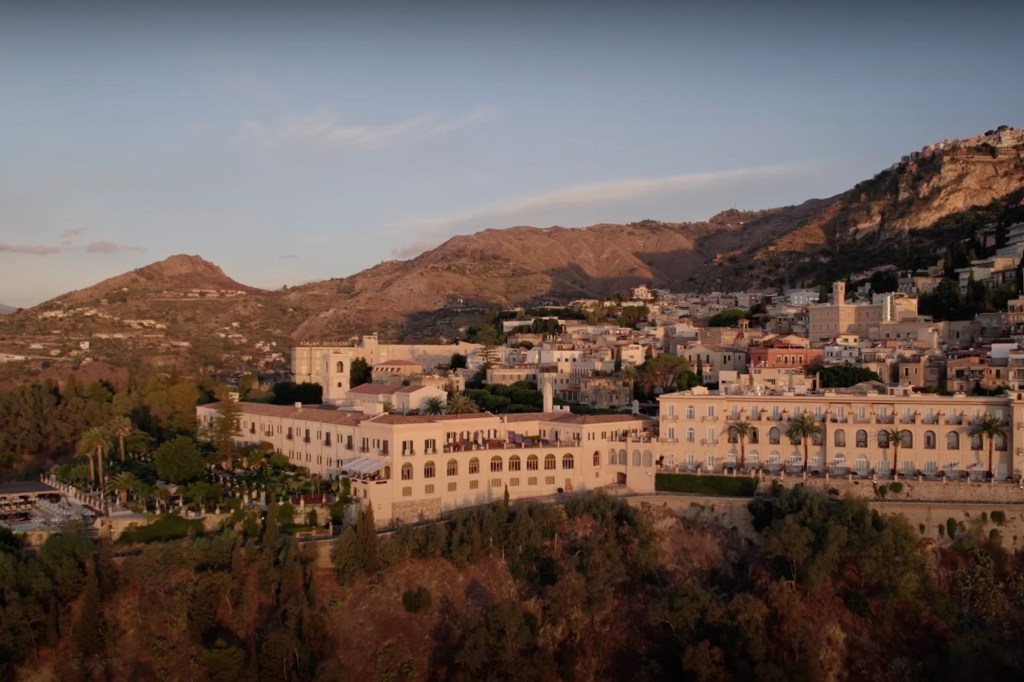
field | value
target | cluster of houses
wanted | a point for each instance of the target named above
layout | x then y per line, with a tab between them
939	380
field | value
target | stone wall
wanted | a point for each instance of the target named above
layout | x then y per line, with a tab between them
409	512
912	489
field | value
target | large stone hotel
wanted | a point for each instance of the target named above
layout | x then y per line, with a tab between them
413	466
856	424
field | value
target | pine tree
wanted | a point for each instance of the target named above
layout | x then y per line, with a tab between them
367	546
343	554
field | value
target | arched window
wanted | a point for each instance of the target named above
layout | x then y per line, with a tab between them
514	463
999	441
976	442
532	463
428	470
648	458
691	436
839	439
906	439
883	439
690	412
453	468
636	458
340	367
774	435
862	438
612	458
567	461
622	457
496	465
929	440
754	436
474	466
952	440
597	458
549	461
407	472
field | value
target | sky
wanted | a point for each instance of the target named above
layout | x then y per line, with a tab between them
292	142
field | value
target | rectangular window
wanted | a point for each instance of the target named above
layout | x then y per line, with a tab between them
495	482
711	411
429	489
451	487
513	482
348	443
407	492
473	485
549	480
532	480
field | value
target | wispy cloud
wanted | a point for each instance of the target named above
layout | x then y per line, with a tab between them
288	256
30	249
601	194
325	132
103	246
412	250
72	232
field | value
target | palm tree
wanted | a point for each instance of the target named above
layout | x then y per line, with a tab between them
122	483
461	404
97	441
802	429
989	427
122	428
433	405
742	429
894	437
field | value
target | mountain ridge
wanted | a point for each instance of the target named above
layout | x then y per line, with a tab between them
904	216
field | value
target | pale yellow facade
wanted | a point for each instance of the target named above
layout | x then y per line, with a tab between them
416	466
936	432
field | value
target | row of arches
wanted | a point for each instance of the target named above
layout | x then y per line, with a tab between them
496	464
619	458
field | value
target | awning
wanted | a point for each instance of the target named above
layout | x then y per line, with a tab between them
362	466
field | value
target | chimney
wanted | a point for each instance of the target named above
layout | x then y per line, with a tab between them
549	396
298	406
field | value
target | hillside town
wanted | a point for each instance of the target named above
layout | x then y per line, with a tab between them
931	401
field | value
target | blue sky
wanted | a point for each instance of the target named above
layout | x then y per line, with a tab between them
302	143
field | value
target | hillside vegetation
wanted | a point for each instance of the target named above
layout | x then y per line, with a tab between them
596	589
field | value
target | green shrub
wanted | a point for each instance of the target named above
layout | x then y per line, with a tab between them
167	527
942	531
416	600
998	517
727	486
951	527
895	487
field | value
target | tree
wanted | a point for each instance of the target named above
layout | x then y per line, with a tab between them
894	437
178	460
460	403
367	544
122	483
665	373
742	429
225	427
458	361
727	318
359	372
97	441
121	427
433	405
989	427
802	429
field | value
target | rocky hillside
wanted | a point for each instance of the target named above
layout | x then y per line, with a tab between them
185	310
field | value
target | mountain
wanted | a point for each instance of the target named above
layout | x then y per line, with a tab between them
185	311
6	309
